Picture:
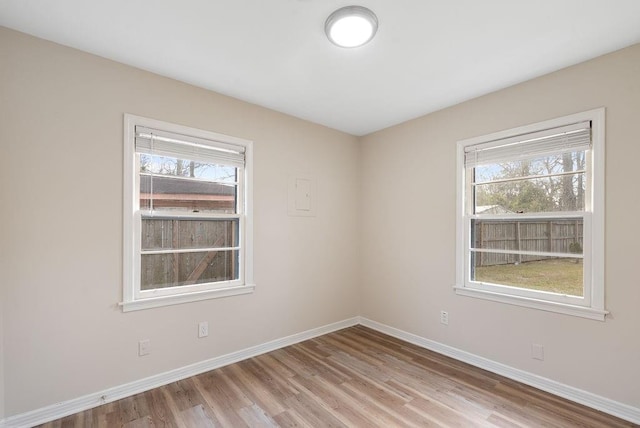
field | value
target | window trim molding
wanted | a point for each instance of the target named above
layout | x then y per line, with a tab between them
131	263
595	254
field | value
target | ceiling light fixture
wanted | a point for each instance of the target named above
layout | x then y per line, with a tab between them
351	26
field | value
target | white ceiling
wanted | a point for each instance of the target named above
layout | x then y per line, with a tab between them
427	54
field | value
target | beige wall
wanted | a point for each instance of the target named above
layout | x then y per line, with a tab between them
408	231
61	125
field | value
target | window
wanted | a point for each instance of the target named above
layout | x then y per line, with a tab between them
187	214
530	227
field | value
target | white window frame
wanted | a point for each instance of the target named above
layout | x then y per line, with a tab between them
133	297
592	304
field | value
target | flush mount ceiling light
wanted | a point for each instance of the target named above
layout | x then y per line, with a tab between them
351	26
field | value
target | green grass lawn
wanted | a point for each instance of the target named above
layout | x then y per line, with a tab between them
562	276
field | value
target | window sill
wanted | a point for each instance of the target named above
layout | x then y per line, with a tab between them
577	311
155	302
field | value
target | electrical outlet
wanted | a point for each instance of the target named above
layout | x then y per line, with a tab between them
537	352
203	329
444	317
144	347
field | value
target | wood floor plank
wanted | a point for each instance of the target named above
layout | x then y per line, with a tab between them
132	408
277	389
197	416
218	401
311	410
356	377
276	367
255	390
503	422
324	367
146	422
290	419
254	416
335	400
443	415
159	410
386	412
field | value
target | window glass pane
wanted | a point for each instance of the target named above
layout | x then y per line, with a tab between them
510	186
177	194
545	165
174	167
536	272
180	269
184	185
164	234
555	275
548	194
539	235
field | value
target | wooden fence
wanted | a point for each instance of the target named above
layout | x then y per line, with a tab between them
175	269
555	236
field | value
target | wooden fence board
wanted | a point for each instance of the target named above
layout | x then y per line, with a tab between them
555	236
166	270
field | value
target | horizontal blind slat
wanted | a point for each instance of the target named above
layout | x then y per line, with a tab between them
571	138
163	143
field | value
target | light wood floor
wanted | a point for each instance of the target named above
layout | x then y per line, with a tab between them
355	377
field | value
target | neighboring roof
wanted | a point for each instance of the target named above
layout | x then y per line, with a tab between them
171	185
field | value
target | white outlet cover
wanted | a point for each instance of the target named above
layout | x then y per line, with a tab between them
537	352
444	317
203	329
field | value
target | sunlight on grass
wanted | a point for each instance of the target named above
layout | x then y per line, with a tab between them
562	276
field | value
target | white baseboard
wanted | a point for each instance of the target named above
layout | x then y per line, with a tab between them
60	410
66	408
615	408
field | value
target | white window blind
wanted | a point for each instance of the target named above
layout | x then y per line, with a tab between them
570	138
163	143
